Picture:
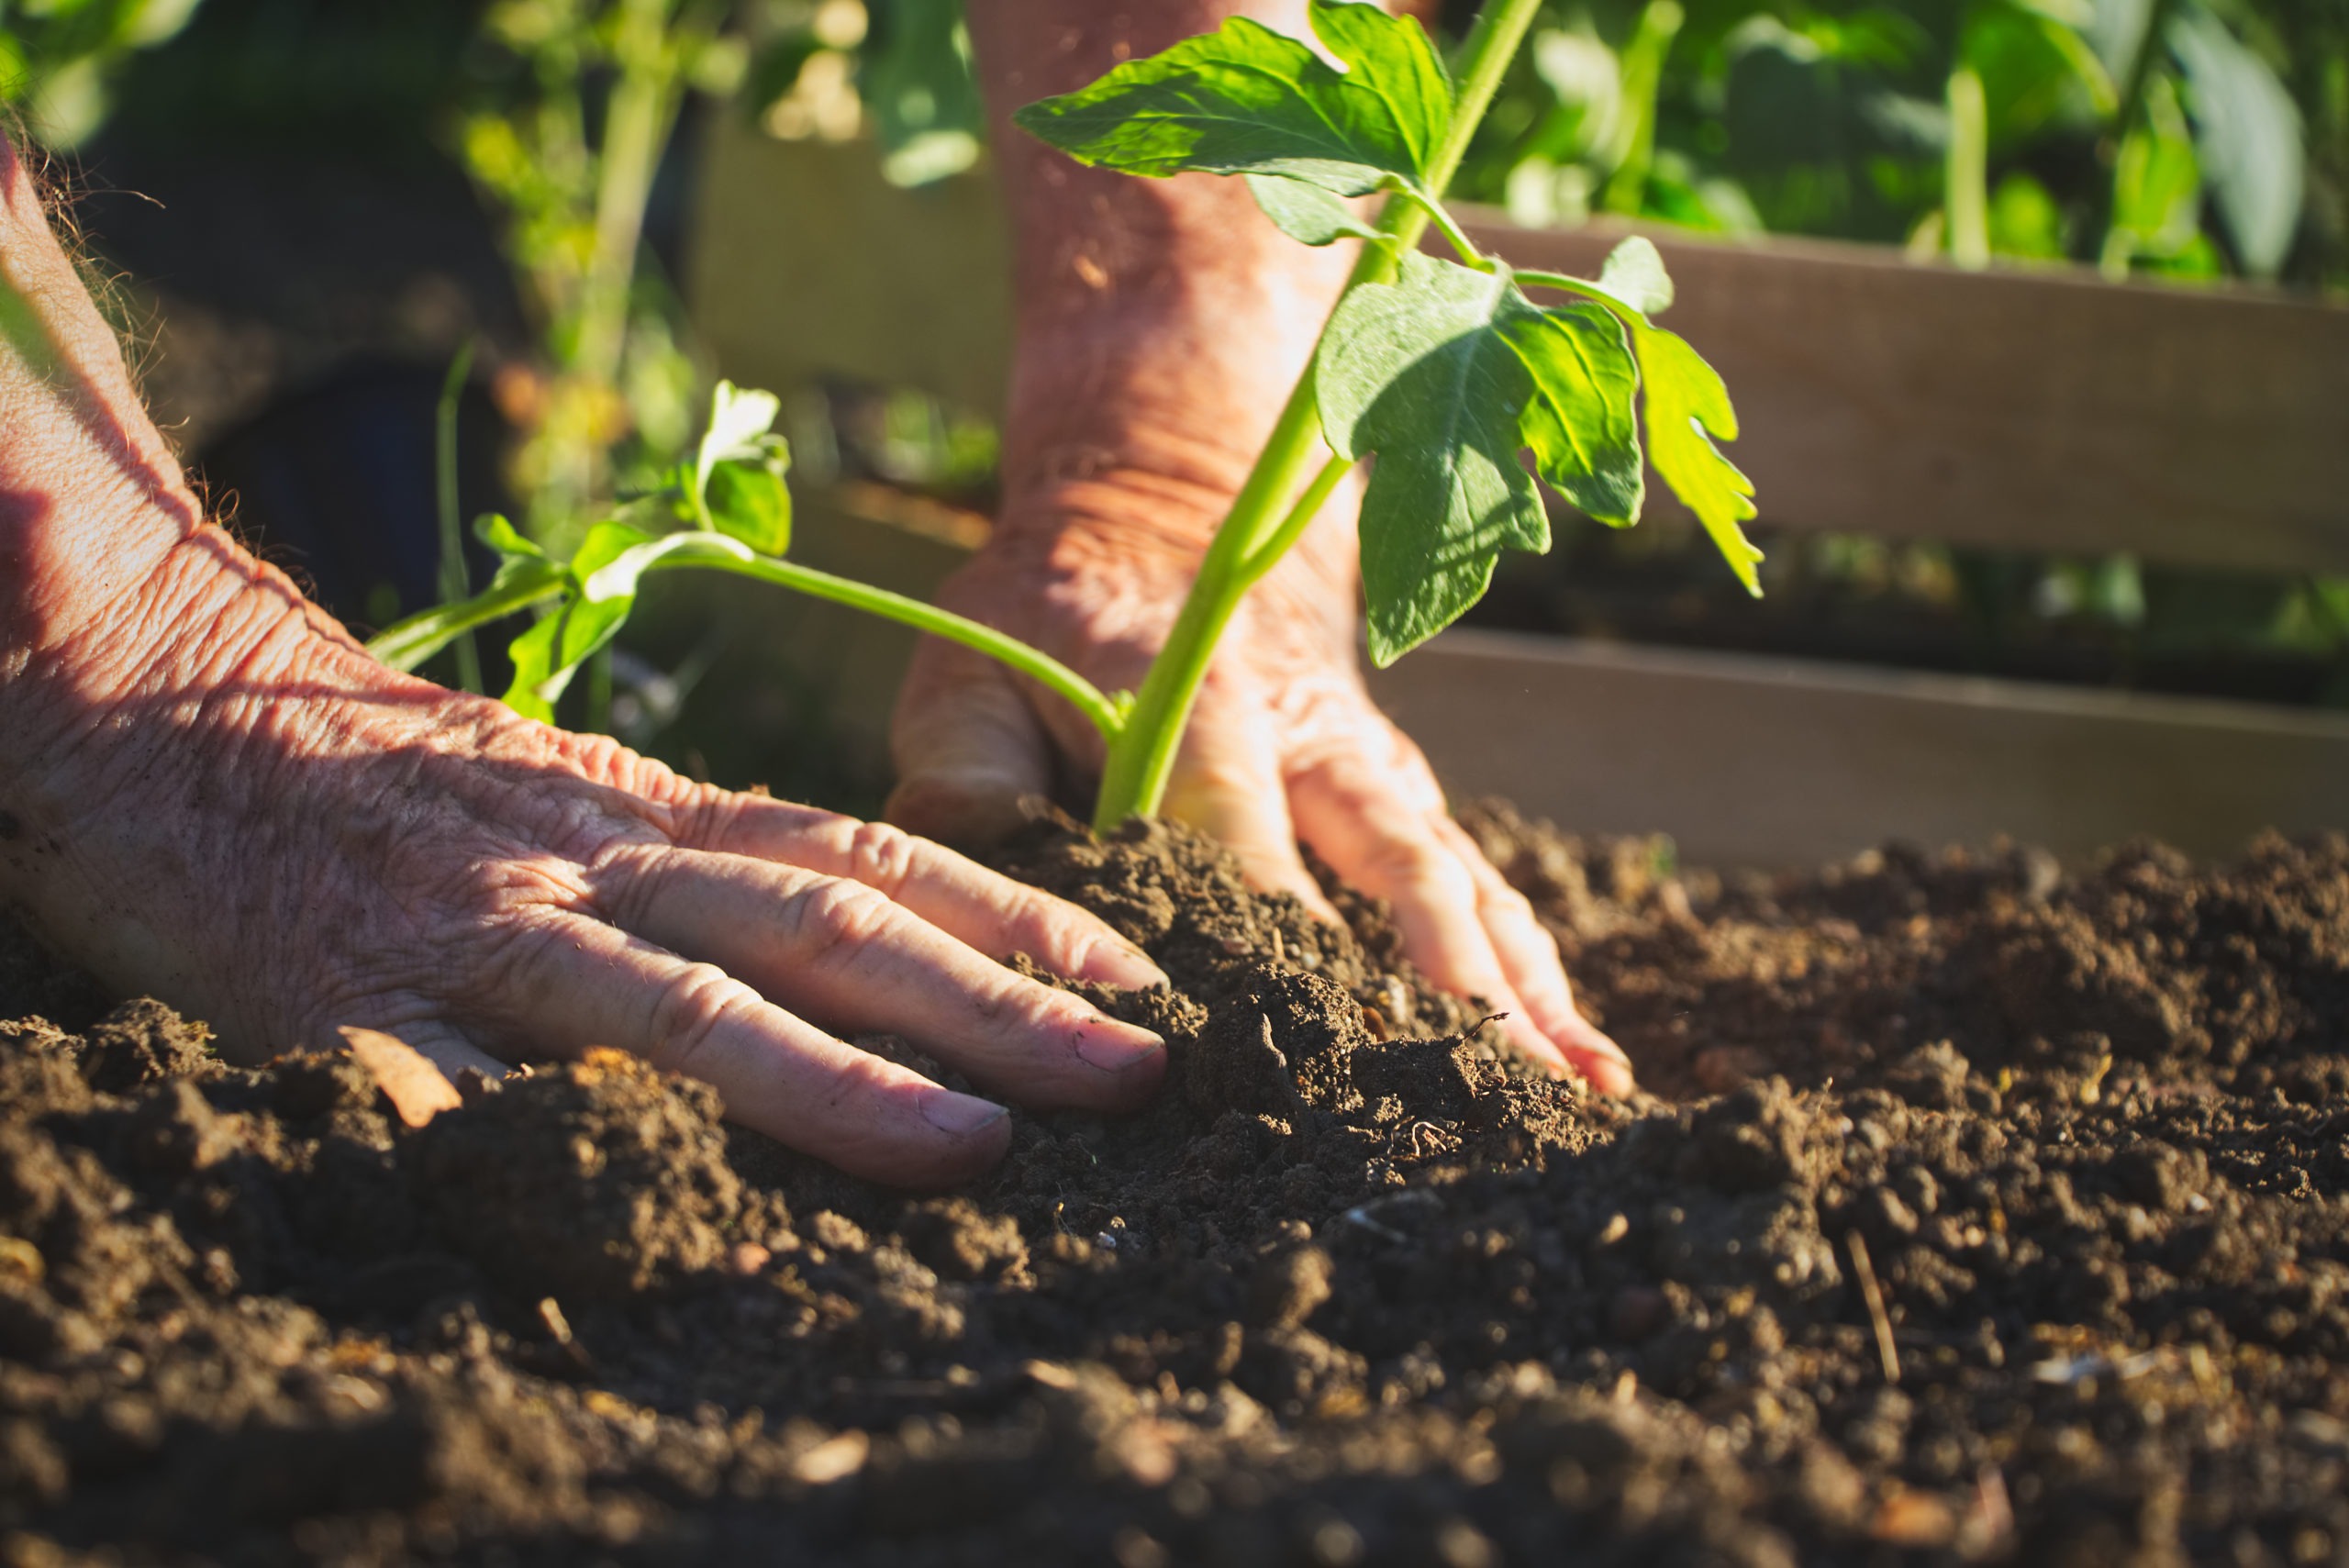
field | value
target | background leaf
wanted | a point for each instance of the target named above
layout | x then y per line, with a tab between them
2248	132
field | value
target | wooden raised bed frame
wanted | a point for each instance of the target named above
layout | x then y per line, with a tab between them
2041	410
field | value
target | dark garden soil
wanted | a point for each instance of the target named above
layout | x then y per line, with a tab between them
1991	1213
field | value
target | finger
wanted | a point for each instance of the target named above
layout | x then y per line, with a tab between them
961	897
1364	821
1228	782
968	747
1529	956
576	983
838	951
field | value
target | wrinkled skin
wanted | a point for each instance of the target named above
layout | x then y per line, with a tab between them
207	792
1161	326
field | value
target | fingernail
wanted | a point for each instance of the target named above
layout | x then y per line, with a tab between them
1602	1061
1123	965
1114	1047
960	1115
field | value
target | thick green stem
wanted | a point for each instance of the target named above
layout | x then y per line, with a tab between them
1263	522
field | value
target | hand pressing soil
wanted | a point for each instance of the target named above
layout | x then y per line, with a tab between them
1997	1217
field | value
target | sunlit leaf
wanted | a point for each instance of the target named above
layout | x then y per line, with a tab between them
1634	273
1247	100
1686	408
1447	375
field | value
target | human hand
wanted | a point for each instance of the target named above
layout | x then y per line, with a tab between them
208	792
1284	744
1161	326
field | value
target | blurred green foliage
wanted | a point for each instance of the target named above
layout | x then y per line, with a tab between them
59	58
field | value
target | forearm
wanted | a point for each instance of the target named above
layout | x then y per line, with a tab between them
116	601
1161	323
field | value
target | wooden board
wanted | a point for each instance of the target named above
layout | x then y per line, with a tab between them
1758	762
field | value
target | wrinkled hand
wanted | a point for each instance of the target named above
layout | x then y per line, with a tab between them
208	792
336	845
1284	744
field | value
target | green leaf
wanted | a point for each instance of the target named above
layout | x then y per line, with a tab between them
1306	213
1634	273
1585	438
1247	100
548	654
525	575
737	483
1684	399
603	581
750	501
504	538
1447	375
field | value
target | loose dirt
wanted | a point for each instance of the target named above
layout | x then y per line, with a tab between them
1978	1212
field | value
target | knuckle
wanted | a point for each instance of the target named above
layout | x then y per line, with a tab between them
690	1011
834	922
881	856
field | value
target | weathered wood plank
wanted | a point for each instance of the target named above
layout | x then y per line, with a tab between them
2035	410
1759	762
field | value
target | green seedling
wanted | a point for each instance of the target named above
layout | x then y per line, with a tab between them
1445	371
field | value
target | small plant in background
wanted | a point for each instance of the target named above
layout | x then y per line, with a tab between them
572	175
57	58
1445	371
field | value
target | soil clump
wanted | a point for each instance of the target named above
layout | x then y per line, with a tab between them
1975	1210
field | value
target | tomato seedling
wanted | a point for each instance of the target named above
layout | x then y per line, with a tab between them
1445	371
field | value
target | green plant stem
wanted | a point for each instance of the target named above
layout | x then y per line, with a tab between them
456	584
405	646
1449	226
1103	712
412	641
1264	522
2142	61
1627	187
1567	284
636	127
2130	108
1965	196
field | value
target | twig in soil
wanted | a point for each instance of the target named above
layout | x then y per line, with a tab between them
1873	1295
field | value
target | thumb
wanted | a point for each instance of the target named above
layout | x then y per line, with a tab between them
968	749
